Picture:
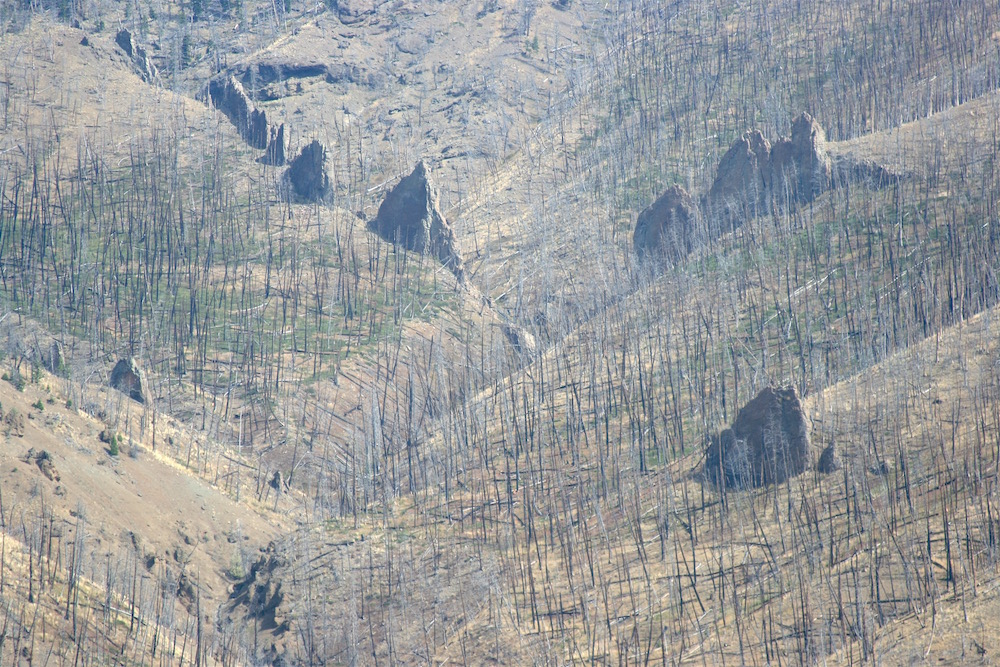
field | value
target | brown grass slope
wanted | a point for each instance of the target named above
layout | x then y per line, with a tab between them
94	543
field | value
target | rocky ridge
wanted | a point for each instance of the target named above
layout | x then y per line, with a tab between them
229	97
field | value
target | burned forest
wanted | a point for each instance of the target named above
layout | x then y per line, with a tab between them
374	332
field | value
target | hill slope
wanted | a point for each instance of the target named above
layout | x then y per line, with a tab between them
507	468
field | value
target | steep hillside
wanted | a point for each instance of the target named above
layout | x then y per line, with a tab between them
102	532
348	451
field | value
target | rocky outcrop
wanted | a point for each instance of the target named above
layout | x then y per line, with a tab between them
44	462
266	72
14	423
519	338
307	174
767	444
47	466
739	185
871	173
53	359
278	77
271	79
800	168
669	227
229	97
355	11
829	460
354	74
143	66
411	216
125	377
274	154
260	593
55	362
187	592
754	174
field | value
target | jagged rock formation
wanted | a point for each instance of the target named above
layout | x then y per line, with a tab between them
753	176
410	216
307	173
125	377
739	184
753	173
669	226
229	97
261	595
144	67
767	444
274	154
800	167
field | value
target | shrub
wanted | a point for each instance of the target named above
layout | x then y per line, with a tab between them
113	439
16	379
